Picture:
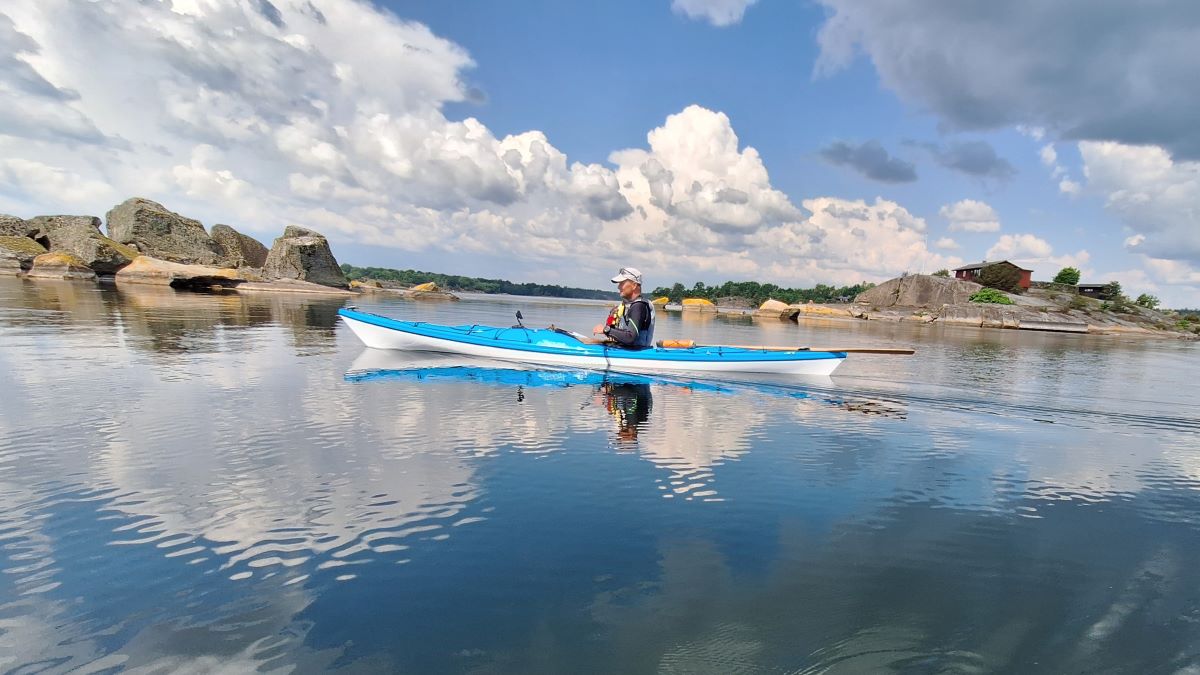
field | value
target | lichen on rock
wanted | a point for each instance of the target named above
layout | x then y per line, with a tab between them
156	231
17	254
61	265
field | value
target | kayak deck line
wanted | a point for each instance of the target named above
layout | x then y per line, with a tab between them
552	346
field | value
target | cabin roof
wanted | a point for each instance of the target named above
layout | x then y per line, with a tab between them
982	264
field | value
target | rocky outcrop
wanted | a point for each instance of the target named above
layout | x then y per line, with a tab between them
44	225
660	301
237	249
813	309
304	255
978	315
17	254
147	270
250	273
427	287
1054	321
60	265
297	231
12	226
290	286
436	294
155	231
775	308
919	290
698	305
366	285
81	237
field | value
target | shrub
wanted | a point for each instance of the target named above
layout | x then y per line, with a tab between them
1146	300
942	273
991	296
1067	275
1078	302
1002	277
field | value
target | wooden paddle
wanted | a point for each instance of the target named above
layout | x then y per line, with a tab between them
688	344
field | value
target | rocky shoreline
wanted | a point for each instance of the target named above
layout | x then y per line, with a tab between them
928	299
143	242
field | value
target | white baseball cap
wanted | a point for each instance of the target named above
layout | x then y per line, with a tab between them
628	274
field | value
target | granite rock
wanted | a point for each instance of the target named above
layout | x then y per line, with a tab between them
237	249
304	256
155	231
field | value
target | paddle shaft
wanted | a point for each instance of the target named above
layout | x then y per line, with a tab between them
687	344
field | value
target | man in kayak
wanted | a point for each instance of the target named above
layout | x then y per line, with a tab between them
631	323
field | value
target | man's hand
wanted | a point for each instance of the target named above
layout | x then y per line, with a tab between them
598	330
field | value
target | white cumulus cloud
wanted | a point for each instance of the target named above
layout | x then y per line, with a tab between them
1019	246
717	12
1156	197
332	115
850	241
1035	253
51	184
1049	155
969	215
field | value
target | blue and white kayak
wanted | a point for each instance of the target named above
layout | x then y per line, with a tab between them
551	347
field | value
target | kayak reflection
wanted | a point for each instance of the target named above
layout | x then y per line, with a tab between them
384	364
627	397
686	426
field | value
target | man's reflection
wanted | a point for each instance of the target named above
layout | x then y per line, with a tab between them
630	404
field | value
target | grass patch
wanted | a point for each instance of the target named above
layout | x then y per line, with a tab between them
990	296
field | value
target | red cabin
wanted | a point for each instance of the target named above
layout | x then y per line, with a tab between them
972	272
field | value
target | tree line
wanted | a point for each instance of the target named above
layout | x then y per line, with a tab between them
453	282
759	293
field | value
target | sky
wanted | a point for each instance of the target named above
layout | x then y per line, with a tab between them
786	141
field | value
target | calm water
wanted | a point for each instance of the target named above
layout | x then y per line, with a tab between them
230	483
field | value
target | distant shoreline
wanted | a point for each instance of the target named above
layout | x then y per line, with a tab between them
465	284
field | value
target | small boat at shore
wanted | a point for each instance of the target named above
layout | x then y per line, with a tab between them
557	347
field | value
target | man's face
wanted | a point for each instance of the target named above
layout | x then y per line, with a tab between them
627	288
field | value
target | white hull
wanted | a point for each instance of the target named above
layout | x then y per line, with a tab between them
379	337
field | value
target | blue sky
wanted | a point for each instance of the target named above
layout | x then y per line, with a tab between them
794	142
596	77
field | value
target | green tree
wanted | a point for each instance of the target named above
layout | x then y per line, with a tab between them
1067	275
942	273
1116	301
1146	300
1002	277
